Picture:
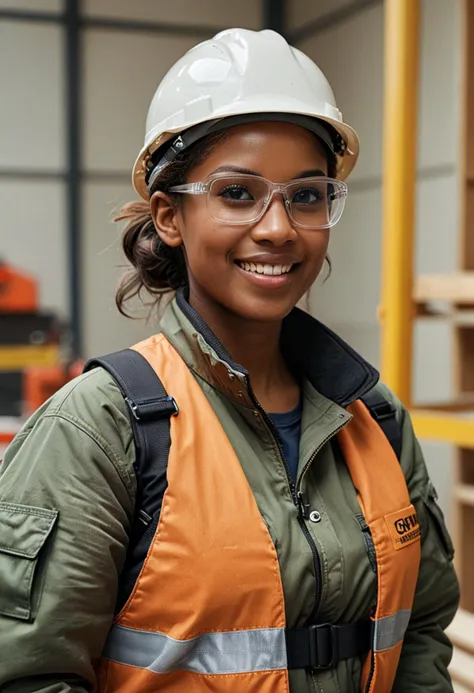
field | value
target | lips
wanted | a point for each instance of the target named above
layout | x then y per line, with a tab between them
265	268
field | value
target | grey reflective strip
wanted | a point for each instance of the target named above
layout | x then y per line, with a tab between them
240	651
390	630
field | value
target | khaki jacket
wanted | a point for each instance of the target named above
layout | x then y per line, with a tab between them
67	496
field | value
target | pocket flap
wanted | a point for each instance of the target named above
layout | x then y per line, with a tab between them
24	529
437	518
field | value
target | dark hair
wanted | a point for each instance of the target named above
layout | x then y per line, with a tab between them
156	267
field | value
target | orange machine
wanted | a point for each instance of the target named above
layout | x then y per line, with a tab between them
32	364
18	291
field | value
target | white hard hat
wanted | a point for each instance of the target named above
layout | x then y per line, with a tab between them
241	76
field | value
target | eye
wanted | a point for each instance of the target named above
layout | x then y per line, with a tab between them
236	193
308	196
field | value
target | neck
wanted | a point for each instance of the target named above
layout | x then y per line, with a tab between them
253	345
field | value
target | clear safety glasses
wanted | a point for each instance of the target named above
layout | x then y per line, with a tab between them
311	203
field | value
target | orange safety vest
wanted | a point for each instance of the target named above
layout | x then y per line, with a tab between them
207	611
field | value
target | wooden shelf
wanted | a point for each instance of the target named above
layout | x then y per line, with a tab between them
459	688
462	669
465	403
451	288
464	493
456	291
461	631
455	428
446	313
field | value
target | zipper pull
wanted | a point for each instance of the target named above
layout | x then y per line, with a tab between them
303	508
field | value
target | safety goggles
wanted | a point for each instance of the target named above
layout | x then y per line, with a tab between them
311	203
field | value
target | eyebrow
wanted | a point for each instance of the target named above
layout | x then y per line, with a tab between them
246	171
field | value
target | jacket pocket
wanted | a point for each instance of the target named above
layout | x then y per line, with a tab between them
437	519
369	542
24	530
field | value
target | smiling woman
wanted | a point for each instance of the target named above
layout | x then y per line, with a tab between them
219	508
239	218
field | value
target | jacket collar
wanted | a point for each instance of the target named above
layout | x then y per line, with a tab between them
312	351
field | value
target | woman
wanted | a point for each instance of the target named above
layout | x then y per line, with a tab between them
282	551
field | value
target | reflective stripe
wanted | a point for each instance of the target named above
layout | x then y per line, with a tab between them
240	651
390	630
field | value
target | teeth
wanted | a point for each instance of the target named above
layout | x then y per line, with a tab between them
265	269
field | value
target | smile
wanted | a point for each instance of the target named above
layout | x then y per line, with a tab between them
266	269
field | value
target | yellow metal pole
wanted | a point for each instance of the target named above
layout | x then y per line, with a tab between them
402	22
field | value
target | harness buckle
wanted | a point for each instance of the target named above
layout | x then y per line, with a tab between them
323	646
133	408
154	409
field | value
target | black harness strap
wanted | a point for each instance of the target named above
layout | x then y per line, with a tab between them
385	415
323	646
151	409
310	647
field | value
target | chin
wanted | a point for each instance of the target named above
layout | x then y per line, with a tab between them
263	311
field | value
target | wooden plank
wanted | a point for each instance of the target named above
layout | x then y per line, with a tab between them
446	313
459	688
462	669
467	240
466	353
466	467
453	288
454	428
465	558
464	404
464	493
463	515
461	631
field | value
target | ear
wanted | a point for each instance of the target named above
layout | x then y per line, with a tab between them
165	215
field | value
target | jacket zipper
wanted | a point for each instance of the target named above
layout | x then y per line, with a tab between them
302	518
297	496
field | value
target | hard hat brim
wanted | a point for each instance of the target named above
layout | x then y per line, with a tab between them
160	135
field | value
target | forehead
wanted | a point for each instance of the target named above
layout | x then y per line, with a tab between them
278	151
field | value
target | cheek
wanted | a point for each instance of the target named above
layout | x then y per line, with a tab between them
317	248
206	243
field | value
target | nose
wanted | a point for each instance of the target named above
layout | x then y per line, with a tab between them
275	226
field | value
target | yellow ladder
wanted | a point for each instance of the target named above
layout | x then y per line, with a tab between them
406	297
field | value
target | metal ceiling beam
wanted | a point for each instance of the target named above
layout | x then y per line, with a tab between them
168	28
18	174
327	21
115	24
73	105
27	16
274	15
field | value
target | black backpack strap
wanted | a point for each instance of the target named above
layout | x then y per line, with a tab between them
150	411
324	646
385	414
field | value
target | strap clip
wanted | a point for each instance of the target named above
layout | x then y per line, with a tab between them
156	409
382	411
323	646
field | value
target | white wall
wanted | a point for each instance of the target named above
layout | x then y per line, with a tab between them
208	12
33	5
121	70
350	53
32	137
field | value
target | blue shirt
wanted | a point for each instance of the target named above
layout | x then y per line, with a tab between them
288	425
